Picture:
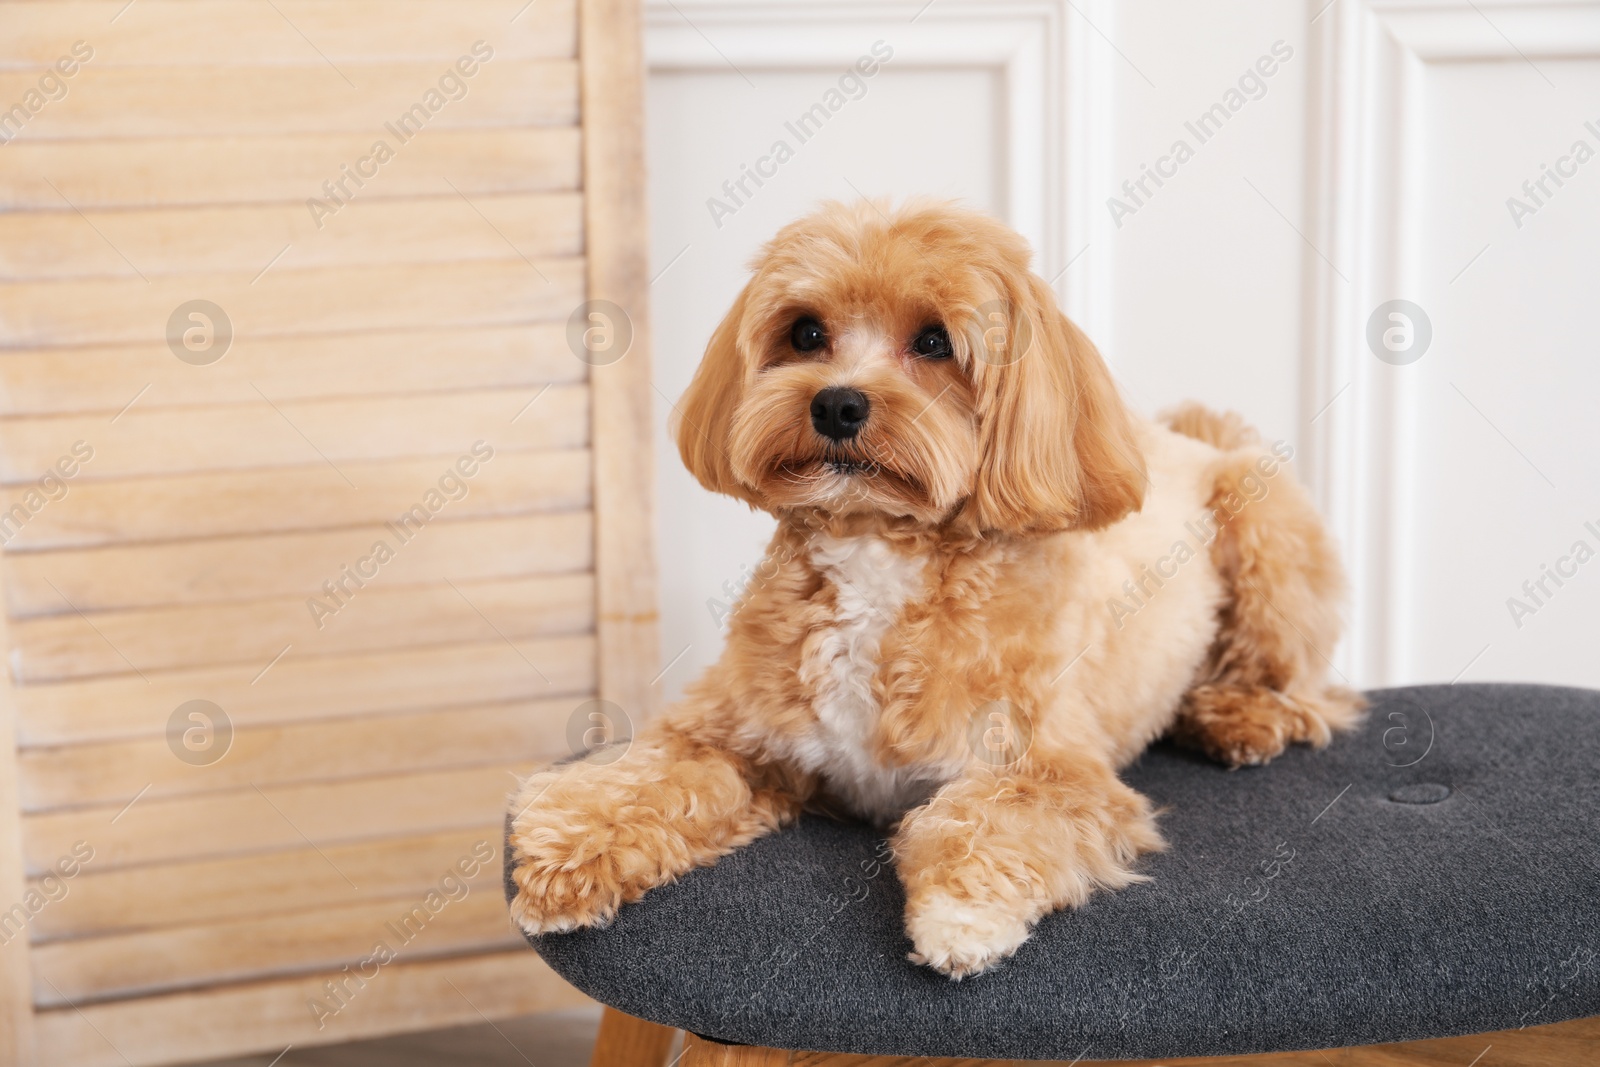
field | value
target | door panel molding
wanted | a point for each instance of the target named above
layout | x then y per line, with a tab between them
1056	83
1366	145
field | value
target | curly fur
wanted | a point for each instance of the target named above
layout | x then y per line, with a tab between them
972	614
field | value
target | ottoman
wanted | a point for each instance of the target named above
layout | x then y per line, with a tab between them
1434	873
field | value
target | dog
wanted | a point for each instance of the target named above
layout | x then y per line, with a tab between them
991	587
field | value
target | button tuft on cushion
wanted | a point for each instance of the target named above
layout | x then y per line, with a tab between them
1421	793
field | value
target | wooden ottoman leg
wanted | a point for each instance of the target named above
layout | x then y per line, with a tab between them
698	1052
625	1041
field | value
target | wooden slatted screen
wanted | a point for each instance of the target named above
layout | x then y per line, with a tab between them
194	495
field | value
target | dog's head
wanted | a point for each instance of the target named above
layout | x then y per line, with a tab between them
909	364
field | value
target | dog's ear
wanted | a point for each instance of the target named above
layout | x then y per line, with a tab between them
1058	450
707	407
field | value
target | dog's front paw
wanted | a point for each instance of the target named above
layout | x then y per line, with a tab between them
959	937
559	890
567	865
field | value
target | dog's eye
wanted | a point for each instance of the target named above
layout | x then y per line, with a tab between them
806	335
933	343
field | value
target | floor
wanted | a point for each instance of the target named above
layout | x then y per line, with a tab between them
559	1039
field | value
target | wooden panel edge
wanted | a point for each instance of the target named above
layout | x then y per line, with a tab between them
16	1012
615	225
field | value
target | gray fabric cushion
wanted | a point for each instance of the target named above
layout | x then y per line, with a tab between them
1400	916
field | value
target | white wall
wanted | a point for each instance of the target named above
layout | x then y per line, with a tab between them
1218	286
1206	287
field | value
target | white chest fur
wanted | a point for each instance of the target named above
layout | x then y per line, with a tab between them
872	584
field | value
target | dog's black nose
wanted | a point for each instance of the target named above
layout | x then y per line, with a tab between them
838	413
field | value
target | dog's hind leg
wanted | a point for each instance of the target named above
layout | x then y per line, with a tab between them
1264	685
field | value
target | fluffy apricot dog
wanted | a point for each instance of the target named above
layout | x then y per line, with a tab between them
990	588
